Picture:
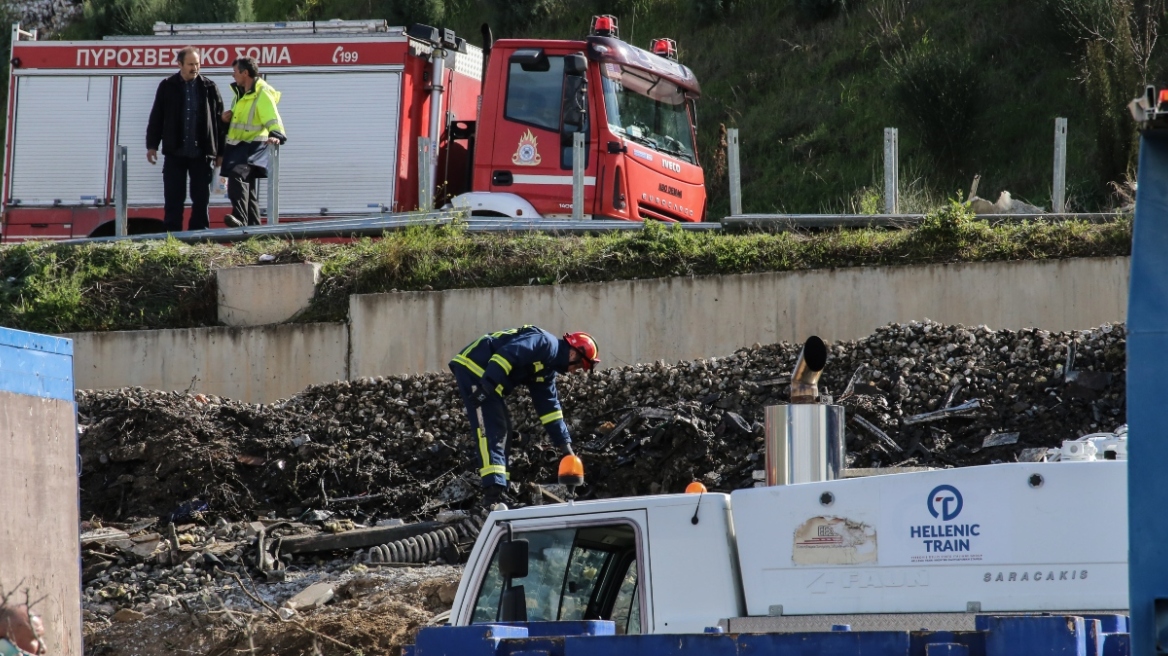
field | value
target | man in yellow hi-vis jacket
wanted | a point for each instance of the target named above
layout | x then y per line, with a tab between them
254	123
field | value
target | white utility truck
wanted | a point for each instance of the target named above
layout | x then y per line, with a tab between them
1034	537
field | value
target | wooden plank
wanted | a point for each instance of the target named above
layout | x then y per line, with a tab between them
356	539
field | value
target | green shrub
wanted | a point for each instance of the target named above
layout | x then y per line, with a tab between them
939	90
817	10
513	16
712	10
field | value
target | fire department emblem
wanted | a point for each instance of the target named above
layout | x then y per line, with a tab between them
526	154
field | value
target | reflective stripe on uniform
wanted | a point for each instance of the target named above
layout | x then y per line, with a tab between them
499	389
502	362
487	469
469	364
538	366
551	416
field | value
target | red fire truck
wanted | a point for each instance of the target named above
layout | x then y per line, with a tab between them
357	96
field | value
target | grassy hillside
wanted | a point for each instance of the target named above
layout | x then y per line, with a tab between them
973	86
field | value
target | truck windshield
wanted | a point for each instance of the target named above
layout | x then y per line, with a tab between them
648	110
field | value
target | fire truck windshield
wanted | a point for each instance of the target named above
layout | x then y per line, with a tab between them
648	110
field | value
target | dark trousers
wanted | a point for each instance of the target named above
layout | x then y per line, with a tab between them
245	198
176	170
489	426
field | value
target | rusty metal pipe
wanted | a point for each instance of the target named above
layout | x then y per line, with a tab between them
805	378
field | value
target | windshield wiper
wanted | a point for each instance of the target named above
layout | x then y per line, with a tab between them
642	140
678	152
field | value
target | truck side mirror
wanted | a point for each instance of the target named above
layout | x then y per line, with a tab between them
513	558
532	60
513	605
576	65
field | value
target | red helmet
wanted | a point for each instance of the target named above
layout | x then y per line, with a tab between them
585	346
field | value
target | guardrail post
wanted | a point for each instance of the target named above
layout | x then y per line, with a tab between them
274	184
1059	195
425	188
578	176
734	170
891	171
121	170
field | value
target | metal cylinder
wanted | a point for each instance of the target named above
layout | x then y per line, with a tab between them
804	443
805	378
437	81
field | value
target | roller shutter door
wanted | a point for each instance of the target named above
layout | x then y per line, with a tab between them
136	99
61	141
341	153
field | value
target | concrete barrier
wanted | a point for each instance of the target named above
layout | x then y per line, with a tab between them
687	318
634	321
257	365
260	295
39	550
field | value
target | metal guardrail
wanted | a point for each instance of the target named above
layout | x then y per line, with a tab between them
376	225
828	221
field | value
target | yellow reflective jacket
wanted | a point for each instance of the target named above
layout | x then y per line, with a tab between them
254	114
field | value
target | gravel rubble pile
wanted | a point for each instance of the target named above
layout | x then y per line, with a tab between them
399	446
173	483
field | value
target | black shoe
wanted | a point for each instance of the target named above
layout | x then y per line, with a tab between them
232	222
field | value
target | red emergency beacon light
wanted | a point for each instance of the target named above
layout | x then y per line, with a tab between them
695	488
666	48
604	25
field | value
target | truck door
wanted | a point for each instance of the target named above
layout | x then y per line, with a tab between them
531	158
593	568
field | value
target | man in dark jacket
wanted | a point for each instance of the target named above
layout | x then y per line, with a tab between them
185	118
490	367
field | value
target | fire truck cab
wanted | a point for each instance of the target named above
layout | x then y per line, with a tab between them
636	109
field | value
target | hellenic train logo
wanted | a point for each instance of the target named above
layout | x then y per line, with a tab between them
945	502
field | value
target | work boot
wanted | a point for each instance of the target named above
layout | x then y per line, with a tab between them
232	222
493	499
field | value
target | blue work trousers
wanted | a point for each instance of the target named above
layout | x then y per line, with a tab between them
490	424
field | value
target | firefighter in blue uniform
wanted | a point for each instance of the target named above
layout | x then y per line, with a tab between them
492	366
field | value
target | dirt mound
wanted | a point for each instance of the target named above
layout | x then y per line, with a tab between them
399	446
374	613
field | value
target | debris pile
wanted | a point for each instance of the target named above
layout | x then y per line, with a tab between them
399	446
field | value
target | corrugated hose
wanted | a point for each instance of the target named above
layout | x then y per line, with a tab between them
427	546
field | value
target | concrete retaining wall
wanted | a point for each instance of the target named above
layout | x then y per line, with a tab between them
249	364
687	318
39	549
634	321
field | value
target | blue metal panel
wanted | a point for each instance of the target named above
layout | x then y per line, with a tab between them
476	640
1147	347
854	643
1057	635
946	649
576	628
1094	637
973	641
1110	623
35	341
654	645
36	365
1116	644
531	647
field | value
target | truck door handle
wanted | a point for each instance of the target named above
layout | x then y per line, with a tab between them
502	178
